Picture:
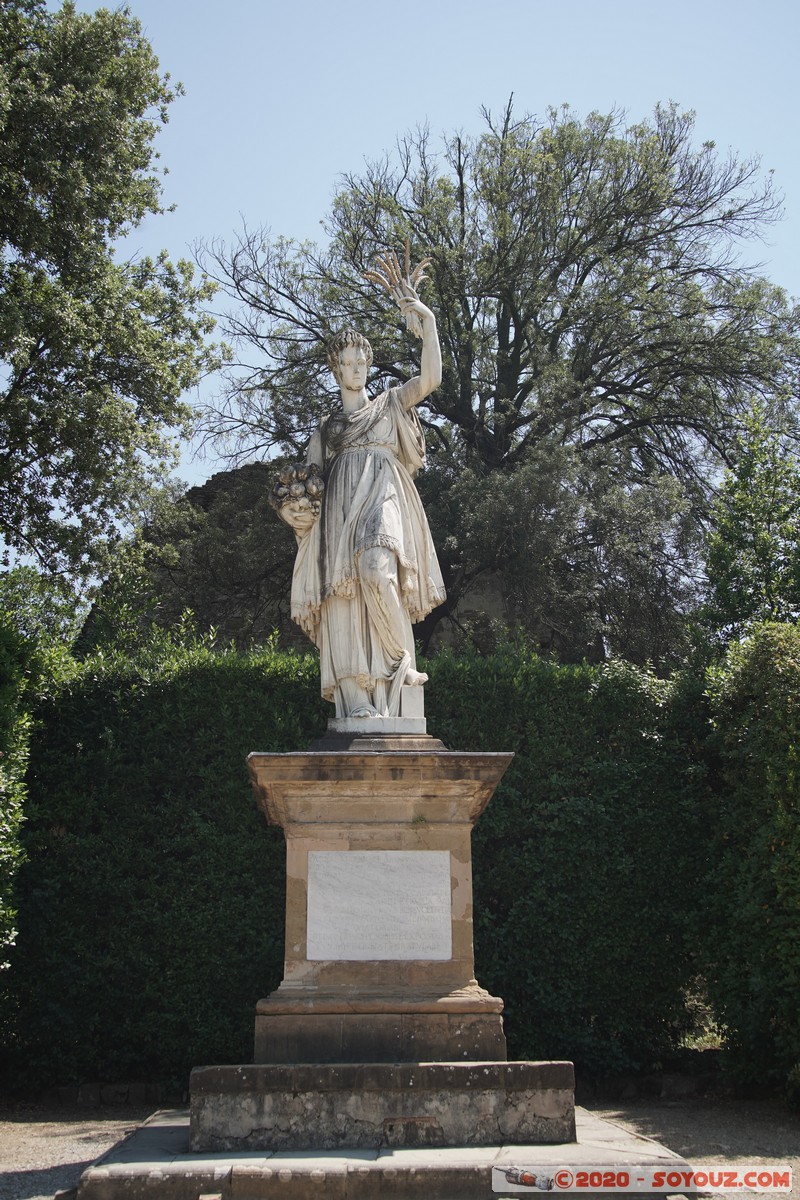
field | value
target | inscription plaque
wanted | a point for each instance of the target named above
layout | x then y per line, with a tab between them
379	905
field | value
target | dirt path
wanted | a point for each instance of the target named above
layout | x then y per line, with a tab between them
44	1150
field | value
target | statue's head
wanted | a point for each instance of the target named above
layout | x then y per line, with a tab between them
342	341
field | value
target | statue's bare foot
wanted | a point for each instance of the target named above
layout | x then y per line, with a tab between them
366	710
415	678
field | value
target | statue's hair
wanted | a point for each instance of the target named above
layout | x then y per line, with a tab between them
348	337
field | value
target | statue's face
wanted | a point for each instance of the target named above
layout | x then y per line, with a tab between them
353	368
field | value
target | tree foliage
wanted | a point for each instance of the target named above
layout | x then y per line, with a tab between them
592	310
753	551
96	351
39	617
14	732
215	551
42	609
752	941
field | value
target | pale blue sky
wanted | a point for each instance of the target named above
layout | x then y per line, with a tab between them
282	98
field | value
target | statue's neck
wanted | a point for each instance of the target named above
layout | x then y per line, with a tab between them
353	401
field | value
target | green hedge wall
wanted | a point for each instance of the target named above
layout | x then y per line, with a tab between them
589	862
753	954
14	727
646	834
151	902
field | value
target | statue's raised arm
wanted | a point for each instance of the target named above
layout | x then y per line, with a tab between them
419	319
366	567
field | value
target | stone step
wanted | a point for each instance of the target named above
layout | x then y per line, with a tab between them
156	1163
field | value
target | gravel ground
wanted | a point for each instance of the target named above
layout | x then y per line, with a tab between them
713	1131
709	1129
44	1150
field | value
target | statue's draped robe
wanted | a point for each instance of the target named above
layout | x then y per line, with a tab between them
370	501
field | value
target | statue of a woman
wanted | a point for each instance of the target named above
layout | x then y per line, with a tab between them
366	566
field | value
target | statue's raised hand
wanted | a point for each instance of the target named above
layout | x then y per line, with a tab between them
388	274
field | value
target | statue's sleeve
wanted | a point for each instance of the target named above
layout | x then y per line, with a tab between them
316	452
410	438
307	583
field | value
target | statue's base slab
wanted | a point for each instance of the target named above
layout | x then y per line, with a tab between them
378	726
156	1162
373	741
368	1105
407	731
378	734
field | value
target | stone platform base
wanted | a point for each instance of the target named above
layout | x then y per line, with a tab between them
156	1163
369	1105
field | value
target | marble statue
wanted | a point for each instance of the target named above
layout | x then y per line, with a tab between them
366	567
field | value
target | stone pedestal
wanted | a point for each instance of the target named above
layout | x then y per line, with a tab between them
379	961
379	1034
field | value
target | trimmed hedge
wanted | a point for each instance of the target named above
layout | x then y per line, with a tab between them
151	904
754	950
14	727
589	863
645	834
151	901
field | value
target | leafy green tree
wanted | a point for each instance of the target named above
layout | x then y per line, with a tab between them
96	350
14	733
39	617
592	310
587	564
43	609
751	943
216	552
753	550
